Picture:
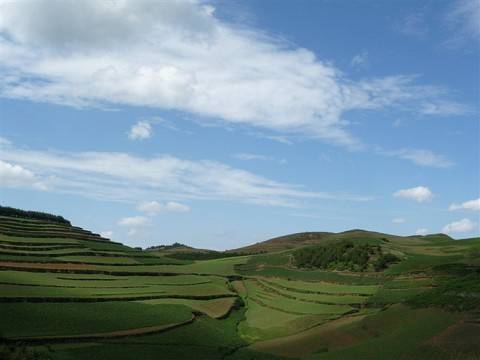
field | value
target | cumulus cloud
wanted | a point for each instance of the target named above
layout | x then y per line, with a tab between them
418	194
140	131
473	205
421	231
134	221
16	176
86	53
154	207
464	225
123	177
398	220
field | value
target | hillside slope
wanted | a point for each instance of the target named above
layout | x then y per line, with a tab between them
66	293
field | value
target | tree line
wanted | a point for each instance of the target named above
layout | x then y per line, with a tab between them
36	215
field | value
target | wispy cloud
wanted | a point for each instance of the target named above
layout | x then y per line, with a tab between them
154	207
123	177
423	158
134	221
360	61
414	25
419	157
85	53
259	157
463	19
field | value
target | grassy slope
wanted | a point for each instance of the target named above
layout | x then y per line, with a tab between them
287	311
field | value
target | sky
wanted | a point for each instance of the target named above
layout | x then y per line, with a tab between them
219	124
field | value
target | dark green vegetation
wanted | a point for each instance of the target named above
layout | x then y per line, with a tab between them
344	255
37	215
66	294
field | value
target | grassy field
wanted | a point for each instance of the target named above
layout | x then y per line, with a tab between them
66	294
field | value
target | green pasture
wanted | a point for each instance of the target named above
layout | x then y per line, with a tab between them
53	319
323	287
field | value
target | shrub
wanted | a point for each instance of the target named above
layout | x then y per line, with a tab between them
384	261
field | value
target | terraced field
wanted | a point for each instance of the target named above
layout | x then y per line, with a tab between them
66	293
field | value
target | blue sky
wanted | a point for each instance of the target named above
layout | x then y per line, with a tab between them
218	124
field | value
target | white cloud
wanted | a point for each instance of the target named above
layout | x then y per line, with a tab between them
414	25
4	142
107	234
463	18
86	53
134	221
16	176
464	225
359	60
473	205
140	131
247	157
420	157
250	157
175	206
325	157
444	108
123	177
398	220
150	207
154	207
418	194
421	231
397	123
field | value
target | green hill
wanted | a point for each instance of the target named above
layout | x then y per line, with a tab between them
67	293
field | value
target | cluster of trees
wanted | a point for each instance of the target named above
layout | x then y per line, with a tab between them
343	255
37	215
384	260
205	255
175	245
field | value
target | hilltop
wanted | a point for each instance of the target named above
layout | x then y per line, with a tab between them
292	241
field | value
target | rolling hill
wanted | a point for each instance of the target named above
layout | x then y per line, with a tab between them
67	293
